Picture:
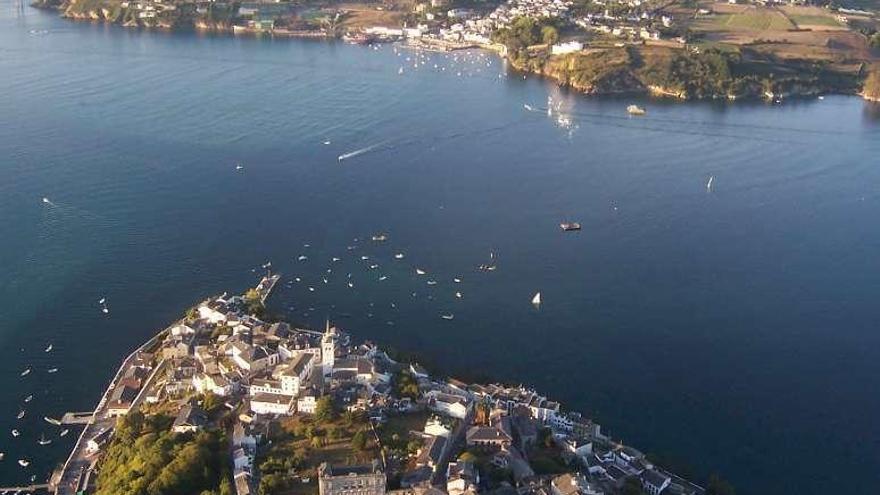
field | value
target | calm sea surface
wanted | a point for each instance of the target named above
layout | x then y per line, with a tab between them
732	330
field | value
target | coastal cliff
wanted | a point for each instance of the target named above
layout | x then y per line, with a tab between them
684	74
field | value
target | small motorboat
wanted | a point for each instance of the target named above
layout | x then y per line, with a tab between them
399	256
302	257
64	432
52	421
43	440
635	110
374	266
457	280
49	348
102	300
537	299
419	271
380	238
28	398
335	259
24	463
364	258
26	372
239	167
458	295
53	370
15	433
383	277
20	414
447	317
350	285
432	282
569	226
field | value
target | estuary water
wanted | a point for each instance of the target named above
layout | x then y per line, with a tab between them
731	328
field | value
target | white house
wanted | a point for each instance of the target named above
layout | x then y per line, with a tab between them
567	47
271	404
450	405
212	315
435	427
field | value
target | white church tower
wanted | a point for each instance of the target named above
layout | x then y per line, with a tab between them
328	349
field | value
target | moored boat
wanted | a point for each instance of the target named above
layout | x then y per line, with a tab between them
569	226
635	110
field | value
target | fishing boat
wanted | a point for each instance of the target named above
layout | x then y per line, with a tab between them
447	317
52	421
635	110
537	299
569	226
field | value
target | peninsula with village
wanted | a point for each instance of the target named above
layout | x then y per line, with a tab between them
230	400
684	49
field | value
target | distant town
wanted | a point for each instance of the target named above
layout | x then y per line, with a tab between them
229	400
687	49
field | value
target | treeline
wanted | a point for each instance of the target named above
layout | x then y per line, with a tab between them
688	74
146	458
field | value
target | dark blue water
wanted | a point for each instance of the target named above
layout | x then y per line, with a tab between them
731	331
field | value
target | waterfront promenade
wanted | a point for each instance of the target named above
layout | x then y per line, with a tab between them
74	476
76	471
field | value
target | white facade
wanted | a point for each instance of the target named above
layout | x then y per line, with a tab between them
567	47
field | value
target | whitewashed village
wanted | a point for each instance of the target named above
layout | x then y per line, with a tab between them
312	412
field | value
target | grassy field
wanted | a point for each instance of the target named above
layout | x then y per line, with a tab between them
814	20
758	19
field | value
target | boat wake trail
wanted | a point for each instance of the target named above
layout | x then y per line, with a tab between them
352	154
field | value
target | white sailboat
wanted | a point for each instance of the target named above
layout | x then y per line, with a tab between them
537	299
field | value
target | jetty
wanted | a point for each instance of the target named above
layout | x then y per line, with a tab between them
267	283
39	488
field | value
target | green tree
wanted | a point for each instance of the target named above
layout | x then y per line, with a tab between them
317	441
359	441
549	35
324	411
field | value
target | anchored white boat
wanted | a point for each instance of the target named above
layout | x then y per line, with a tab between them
537	299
